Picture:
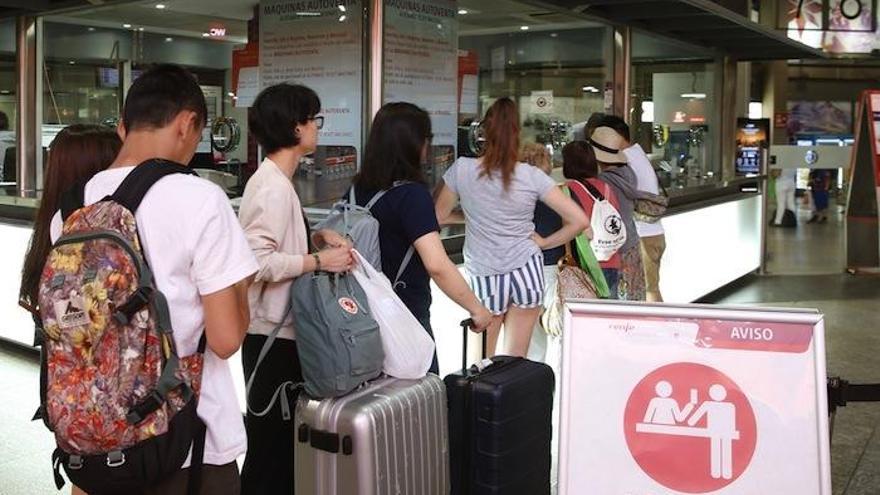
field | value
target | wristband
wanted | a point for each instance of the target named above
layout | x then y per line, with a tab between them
317	262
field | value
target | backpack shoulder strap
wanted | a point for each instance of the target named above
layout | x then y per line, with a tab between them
594	192
375	199
584	197
135	186
73	199
381	193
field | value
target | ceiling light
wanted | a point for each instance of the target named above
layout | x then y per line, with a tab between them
91	30
554	35
590	89
342	18
462	11
169	40
231	94
4	92
160	6
308	14
126	25
72	62
141	29
695	96
523	28
342	8
205	35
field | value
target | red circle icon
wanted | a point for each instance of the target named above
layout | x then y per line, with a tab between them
690	428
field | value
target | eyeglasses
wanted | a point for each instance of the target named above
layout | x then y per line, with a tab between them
319	121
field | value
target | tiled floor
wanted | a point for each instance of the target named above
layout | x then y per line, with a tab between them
810	248
850	306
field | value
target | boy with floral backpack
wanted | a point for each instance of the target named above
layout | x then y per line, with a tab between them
143	298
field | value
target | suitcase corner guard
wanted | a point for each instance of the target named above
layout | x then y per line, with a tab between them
324	440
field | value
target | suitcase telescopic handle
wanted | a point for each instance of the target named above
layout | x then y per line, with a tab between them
465	325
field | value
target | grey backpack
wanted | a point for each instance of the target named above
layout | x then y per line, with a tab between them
338	342
359	225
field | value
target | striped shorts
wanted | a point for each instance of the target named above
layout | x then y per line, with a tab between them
523	287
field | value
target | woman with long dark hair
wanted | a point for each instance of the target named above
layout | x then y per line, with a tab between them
580	167
398	145
502	252
76	154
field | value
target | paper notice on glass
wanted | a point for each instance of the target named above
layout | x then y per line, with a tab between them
421	61
248	87
321	50
541	102
470	84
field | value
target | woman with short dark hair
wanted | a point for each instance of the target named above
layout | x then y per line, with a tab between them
285	121
397	146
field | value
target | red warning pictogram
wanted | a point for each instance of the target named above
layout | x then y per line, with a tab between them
690	428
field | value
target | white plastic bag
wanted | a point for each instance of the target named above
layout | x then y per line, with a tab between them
409	350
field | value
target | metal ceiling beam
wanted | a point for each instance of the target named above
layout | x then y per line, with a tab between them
701	22
31	5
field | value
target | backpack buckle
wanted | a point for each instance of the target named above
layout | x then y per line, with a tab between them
75	462
115	459
150	403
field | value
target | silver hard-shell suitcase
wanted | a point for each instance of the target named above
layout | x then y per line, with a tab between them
388	437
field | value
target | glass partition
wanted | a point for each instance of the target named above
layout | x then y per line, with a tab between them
553	64
8	79
676	111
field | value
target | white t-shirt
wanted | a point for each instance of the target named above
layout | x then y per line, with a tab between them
646	180
195	246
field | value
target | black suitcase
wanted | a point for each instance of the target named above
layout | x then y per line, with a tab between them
500	426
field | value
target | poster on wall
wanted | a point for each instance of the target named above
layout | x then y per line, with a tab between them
317	44
421	66
819	117
693	399
836	26
752	141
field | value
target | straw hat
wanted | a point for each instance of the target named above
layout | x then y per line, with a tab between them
608	145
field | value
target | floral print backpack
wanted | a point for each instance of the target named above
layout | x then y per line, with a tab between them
120	401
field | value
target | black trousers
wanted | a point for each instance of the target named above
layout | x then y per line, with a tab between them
268	466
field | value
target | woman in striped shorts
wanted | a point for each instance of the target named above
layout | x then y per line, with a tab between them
502	252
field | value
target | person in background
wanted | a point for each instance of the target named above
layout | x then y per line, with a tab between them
579	165
7	140
786	186
198	254
652	237
820	181
547	221
285	122
76	154
399	140
608	146
502	252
